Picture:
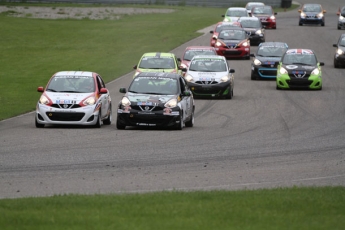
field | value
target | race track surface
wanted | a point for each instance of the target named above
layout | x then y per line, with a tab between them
262	138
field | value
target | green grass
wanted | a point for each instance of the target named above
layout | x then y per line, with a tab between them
294	208
34	49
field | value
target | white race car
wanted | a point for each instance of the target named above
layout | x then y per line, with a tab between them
74	98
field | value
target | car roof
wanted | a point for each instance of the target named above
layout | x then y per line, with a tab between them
298	51
158	54
158	74
275	44
75	73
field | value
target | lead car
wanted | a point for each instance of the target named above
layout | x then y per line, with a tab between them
156	100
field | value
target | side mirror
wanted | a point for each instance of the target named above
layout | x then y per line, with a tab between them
324	11
275	13
335	45
211	32
135	67
123	90
322	63
223	16
40	89
231	71
103	91
300	11
214	38
183	69
252	55
179	59
186	93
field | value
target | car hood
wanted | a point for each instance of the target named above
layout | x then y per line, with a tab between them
149	99
268	59
157	70
299	69
311	13
207	76
231	42
67	98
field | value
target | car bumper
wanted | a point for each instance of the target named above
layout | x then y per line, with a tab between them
341	24
46	115
256	39
285	82
234	53
149	119
311	21
339	59
210	91
264	72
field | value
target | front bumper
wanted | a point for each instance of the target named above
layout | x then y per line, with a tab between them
87	115
341	24
269	24
264	72
339	59
132	117
315	21
285	82
233	53
210	90
256	39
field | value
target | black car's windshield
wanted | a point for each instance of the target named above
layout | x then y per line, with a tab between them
232	35
189	54
154	85
157	63
299	59
271	51
312	8
71	84
342	42
251	23
208	65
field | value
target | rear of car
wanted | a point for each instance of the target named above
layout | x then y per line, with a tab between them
210	77
299	69
339	56
266	60
311	14
74	98
267	16
158	62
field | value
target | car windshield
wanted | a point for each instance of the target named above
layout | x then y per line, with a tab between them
251	23
157	63
299	59
342	42
224	27
232	35
312	8
191	53
154	85
208	65
262	11
271	51
72	84
237	13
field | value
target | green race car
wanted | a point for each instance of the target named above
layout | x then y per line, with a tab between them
299	69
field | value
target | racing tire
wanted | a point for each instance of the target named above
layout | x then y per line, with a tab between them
336	64
99	122
322	24
190	123
230	94
339	28
278	88
252	77
119	126
179	126
38	125
107	121
300	24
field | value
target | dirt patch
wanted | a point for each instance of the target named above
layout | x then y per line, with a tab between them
93	13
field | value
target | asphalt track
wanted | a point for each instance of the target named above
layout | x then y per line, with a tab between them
262	138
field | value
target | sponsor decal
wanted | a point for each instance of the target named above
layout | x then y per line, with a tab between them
291	66
145	124
308	67
143	103
167	111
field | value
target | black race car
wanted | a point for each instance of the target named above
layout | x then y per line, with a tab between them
254	28
156	99
266	60
339	56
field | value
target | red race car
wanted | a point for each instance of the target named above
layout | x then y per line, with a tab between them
233	43
221	26
192	51
266	15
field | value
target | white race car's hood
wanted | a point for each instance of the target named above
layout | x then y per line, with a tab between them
207	76
67	98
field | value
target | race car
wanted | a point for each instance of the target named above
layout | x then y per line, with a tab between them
222	26
250	5
267	16
341	19
158	62
210	77
232	14
339	56
156	99
311	14
74	98
254	28
233	43
192	51
266	60
299	69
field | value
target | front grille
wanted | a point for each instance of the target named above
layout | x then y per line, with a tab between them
299	75
267	72
269	64
311	17
66	106
232	52
147	108
206	82
298	82
206	91
61	116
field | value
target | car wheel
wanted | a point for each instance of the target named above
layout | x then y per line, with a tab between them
109	118
336	64
300	24
339	28
252	77
190	123
230	93
179	126
38	125
278	88
323	24
119	126
99	122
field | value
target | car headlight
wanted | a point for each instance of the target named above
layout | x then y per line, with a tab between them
341	18
258	32
44	100
171	103
136	73
218	43
303	15
89	101
188	78
225	78
340	51
272	17
320	15
226	20
316	71
283	71
125	101
257	62
245	43
183	66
